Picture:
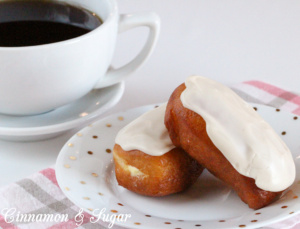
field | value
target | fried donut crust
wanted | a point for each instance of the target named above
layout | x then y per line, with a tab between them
150	175
187	130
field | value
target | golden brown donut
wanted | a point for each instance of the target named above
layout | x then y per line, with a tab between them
187	130
150	175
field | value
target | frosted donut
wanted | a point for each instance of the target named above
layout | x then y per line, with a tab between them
149	175
227	137
146	161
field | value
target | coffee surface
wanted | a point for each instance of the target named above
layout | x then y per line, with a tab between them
29	23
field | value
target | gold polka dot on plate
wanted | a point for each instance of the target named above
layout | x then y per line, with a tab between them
148	215
72	157
108	150
82	182
95	136
121	118
79	134
257	213
94	174
255	108
100	194
277	110
295	118
67	189
120	204
90	209
114	211
253	221
242	226
67	166
167	223
90	152
198	225
136	223
284	206
70	144
221	221
283	133
291	213
108	125
86	198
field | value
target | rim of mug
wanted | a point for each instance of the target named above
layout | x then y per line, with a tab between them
113	12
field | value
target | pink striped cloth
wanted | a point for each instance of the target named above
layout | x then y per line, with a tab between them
40	194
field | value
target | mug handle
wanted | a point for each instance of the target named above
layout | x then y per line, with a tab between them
126	22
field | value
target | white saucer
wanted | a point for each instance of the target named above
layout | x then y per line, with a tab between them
85	173
58	121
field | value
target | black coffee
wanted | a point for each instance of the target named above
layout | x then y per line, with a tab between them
28	23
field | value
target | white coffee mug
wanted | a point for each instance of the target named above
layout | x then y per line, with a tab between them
36	79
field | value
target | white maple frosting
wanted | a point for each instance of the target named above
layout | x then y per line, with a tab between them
147	133
247	141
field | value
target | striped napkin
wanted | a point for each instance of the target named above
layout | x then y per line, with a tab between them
40	194
263	93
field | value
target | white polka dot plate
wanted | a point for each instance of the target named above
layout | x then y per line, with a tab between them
85	172
77	114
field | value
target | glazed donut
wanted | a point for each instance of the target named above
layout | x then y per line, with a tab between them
146	161
230	141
